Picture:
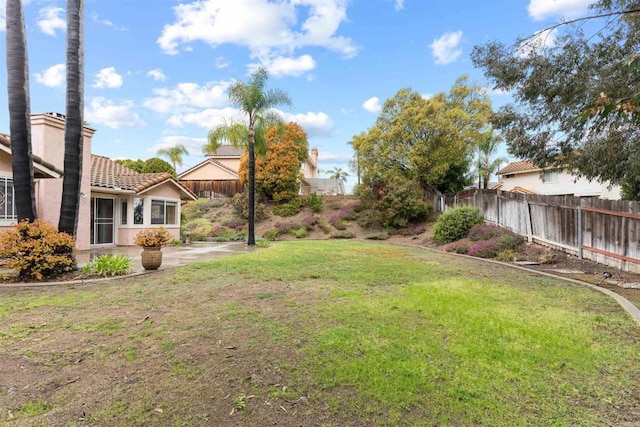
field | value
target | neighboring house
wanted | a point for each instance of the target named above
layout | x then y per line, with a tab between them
217	175
115	203
525	177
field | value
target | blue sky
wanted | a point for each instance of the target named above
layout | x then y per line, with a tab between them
157	71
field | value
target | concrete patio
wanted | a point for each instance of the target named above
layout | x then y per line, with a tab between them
172	256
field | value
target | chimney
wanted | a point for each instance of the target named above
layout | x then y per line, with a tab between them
314	155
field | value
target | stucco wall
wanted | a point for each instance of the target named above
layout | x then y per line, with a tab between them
565	184
210	171
5	164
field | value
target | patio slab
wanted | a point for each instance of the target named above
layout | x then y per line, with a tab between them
172	256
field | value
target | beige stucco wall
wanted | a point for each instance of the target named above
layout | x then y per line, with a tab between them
5	164
564	185
210	171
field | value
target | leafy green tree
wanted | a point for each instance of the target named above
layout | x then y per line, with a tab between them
157	165
255	101
487	165
575	101
73	129
19	111
135	165
174	154
425	140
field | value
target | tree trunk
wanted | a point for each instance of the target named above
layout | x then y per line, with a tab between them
251	197
19	112
73	141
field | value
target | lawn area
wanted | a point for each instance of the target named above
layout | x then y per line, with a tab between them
319	333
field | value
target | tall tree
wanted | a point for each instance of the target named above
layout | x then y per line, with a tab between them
174	154
19	111
255	101
487	164
573	99
74	124
338	173
429	141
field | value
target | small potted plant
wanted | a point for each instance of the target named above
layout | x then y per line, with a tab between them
151	240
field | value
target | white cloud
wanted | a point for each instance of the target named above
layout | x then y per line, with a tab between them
106	22
53	76
267	28
193	145
327	157
315	124
282	66
187	96
399	4
49	20
157	75
116	116
107	78
221	63
207	119
446	49
538	42
542	9
372	104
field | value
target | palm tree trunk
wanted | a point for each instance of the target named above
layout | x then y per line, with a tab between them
251	238
19	112
73	143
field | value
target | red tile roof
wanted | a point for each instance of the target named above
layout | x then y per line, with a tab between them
108	174
518	167
6	141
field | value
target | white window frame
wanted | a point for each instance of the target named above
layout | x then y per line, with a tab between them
164	203
4	181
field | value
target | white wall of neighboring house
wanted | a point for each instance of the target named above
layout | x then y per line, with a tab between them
557	182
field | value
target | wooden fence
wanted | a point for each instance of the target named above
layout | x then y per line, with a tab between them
605	231
212	189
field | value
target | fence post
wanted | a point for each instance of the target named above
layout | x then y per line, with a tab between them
497	209
580	230
528	219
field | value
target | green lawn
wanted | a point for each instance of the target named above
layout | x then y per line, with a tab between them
321	333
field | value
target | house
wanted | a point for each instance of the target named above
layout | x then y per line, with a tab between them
524	177
115	203
217	175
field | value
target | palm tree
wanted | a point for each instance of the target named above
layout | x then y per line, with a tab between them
73	138
256	102
19	112
174	154
487	147
338	173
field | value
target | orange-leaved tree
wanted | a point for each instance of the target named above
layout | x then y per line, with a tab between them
278	170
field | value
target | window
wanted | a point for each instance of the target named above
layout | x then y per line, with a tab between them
163	212
550	176
138	211
123	211
7	205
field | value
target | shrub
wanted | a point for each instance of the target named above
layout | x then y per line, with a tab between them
506	255
412	231
37	250
342	235
459	247
315	202
300	233
397	202
510	241
110	265
272	234
199	228
455	223
240	205
235	223
485	231
309	222
485	248
288	209
196	209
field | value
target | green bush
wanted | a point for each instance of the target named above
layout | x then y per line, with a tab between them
195	209
455	223
511	240
110	265
300	233
315	202
378	236
37	250
240	204
396	203
459	247
342	235
272	234
288	209
200	228
506	255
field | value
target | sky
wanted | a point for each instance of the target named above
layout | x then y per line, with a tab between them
157	72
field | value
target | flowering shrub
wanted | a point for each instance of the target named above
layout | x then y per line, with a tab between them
37	250
153	237
459	247
235	223
511	240
486	232
309	222
315	202
288	209
485	248
199	228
